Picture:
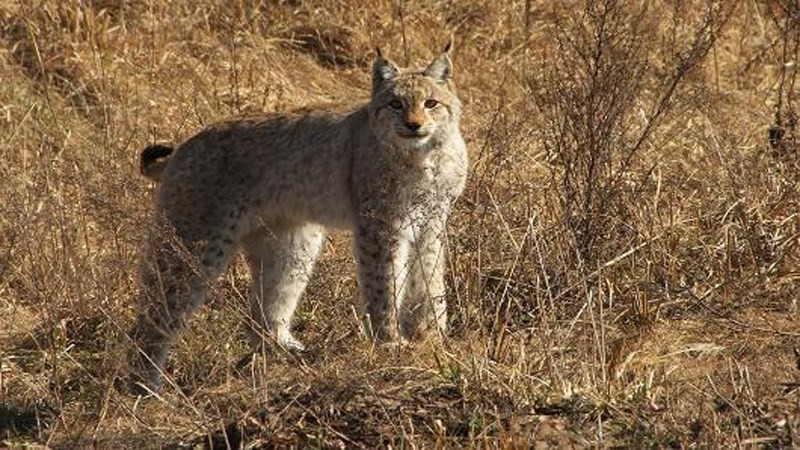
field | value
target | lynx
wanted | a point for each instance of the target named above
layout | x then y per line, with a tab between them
388	170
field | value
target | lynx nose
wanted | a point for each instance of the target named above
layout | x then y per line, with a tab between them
413	126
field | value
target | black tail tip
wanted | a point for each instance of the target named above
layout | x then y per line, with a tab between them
152	154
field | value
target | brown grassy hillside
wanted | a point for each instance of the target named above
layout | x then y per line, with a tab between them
624	265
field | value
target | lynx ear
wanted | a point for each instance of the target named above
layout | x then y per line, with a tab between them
382	70
441	69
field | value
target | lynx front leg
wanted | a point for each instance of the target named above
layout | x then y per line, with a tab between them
425	306
382	272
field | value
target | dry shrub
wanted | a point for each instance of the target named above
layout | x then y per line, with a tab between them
608	87
782	135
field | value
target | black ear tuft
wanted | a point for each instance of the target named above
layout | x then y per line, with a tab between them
383	70
441	68
449	46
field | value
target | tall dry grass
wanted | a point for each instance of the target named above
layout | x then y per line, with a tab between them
623	265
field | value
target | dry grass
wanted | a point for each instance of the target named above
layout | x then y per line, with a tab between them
664	314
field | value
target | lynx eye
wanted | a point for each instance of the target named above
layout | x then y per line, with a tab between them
396	104
431	103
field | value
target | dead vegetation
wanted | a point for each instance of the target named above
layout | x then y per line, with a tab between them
624	263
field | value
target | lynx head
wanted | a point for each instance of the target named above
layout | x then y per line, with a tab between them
414	109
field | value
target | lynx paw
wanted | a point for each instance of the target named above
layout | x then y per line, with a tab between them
395	344
290	343
141	379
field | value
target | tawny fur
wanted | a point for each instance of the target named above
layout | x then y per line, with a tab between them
388	170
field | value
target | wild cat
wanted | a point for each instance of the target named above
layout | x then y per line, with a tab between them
388	170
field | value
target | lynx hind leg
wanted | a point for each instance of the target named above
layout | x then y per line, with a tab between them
281	262
425	308
173	285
